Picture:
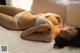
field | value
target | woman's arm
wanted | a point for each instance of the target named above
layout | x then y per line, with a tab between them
39	28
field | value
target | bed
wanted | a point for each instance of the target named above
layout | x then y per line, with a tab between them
17	45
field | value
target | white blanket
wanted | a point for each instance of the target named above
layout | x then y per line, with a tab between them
17	45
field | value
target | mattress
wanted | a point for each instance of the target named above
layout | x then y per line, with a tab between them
17	45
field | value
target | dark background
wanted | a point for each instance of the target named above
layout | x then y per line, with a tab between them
2	2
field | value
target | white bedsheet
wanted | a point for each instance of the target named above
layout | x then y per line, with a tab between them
17	45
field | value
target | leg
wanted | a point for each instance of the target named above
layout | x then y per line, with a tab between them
7	21
11	11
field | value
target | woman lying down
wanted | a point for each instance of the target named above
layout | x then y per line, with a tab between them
39	27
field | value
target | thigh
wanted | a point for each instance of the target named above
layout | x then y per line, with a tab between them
7	21
9	10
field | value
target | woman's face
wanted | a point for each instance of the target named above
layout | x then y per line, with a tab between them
67	32
65	36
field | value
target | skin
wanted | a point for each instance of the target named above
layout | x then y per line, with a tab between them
26	22
40	33
68	36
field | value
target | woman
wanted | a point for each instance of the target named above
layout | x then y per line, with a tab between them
18	19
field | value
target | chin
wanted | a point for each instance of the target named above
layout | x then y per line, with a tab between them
70	37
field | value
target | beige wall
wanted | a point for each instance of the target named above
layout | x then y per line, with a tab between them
23	4
73	14
8	2
42	6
